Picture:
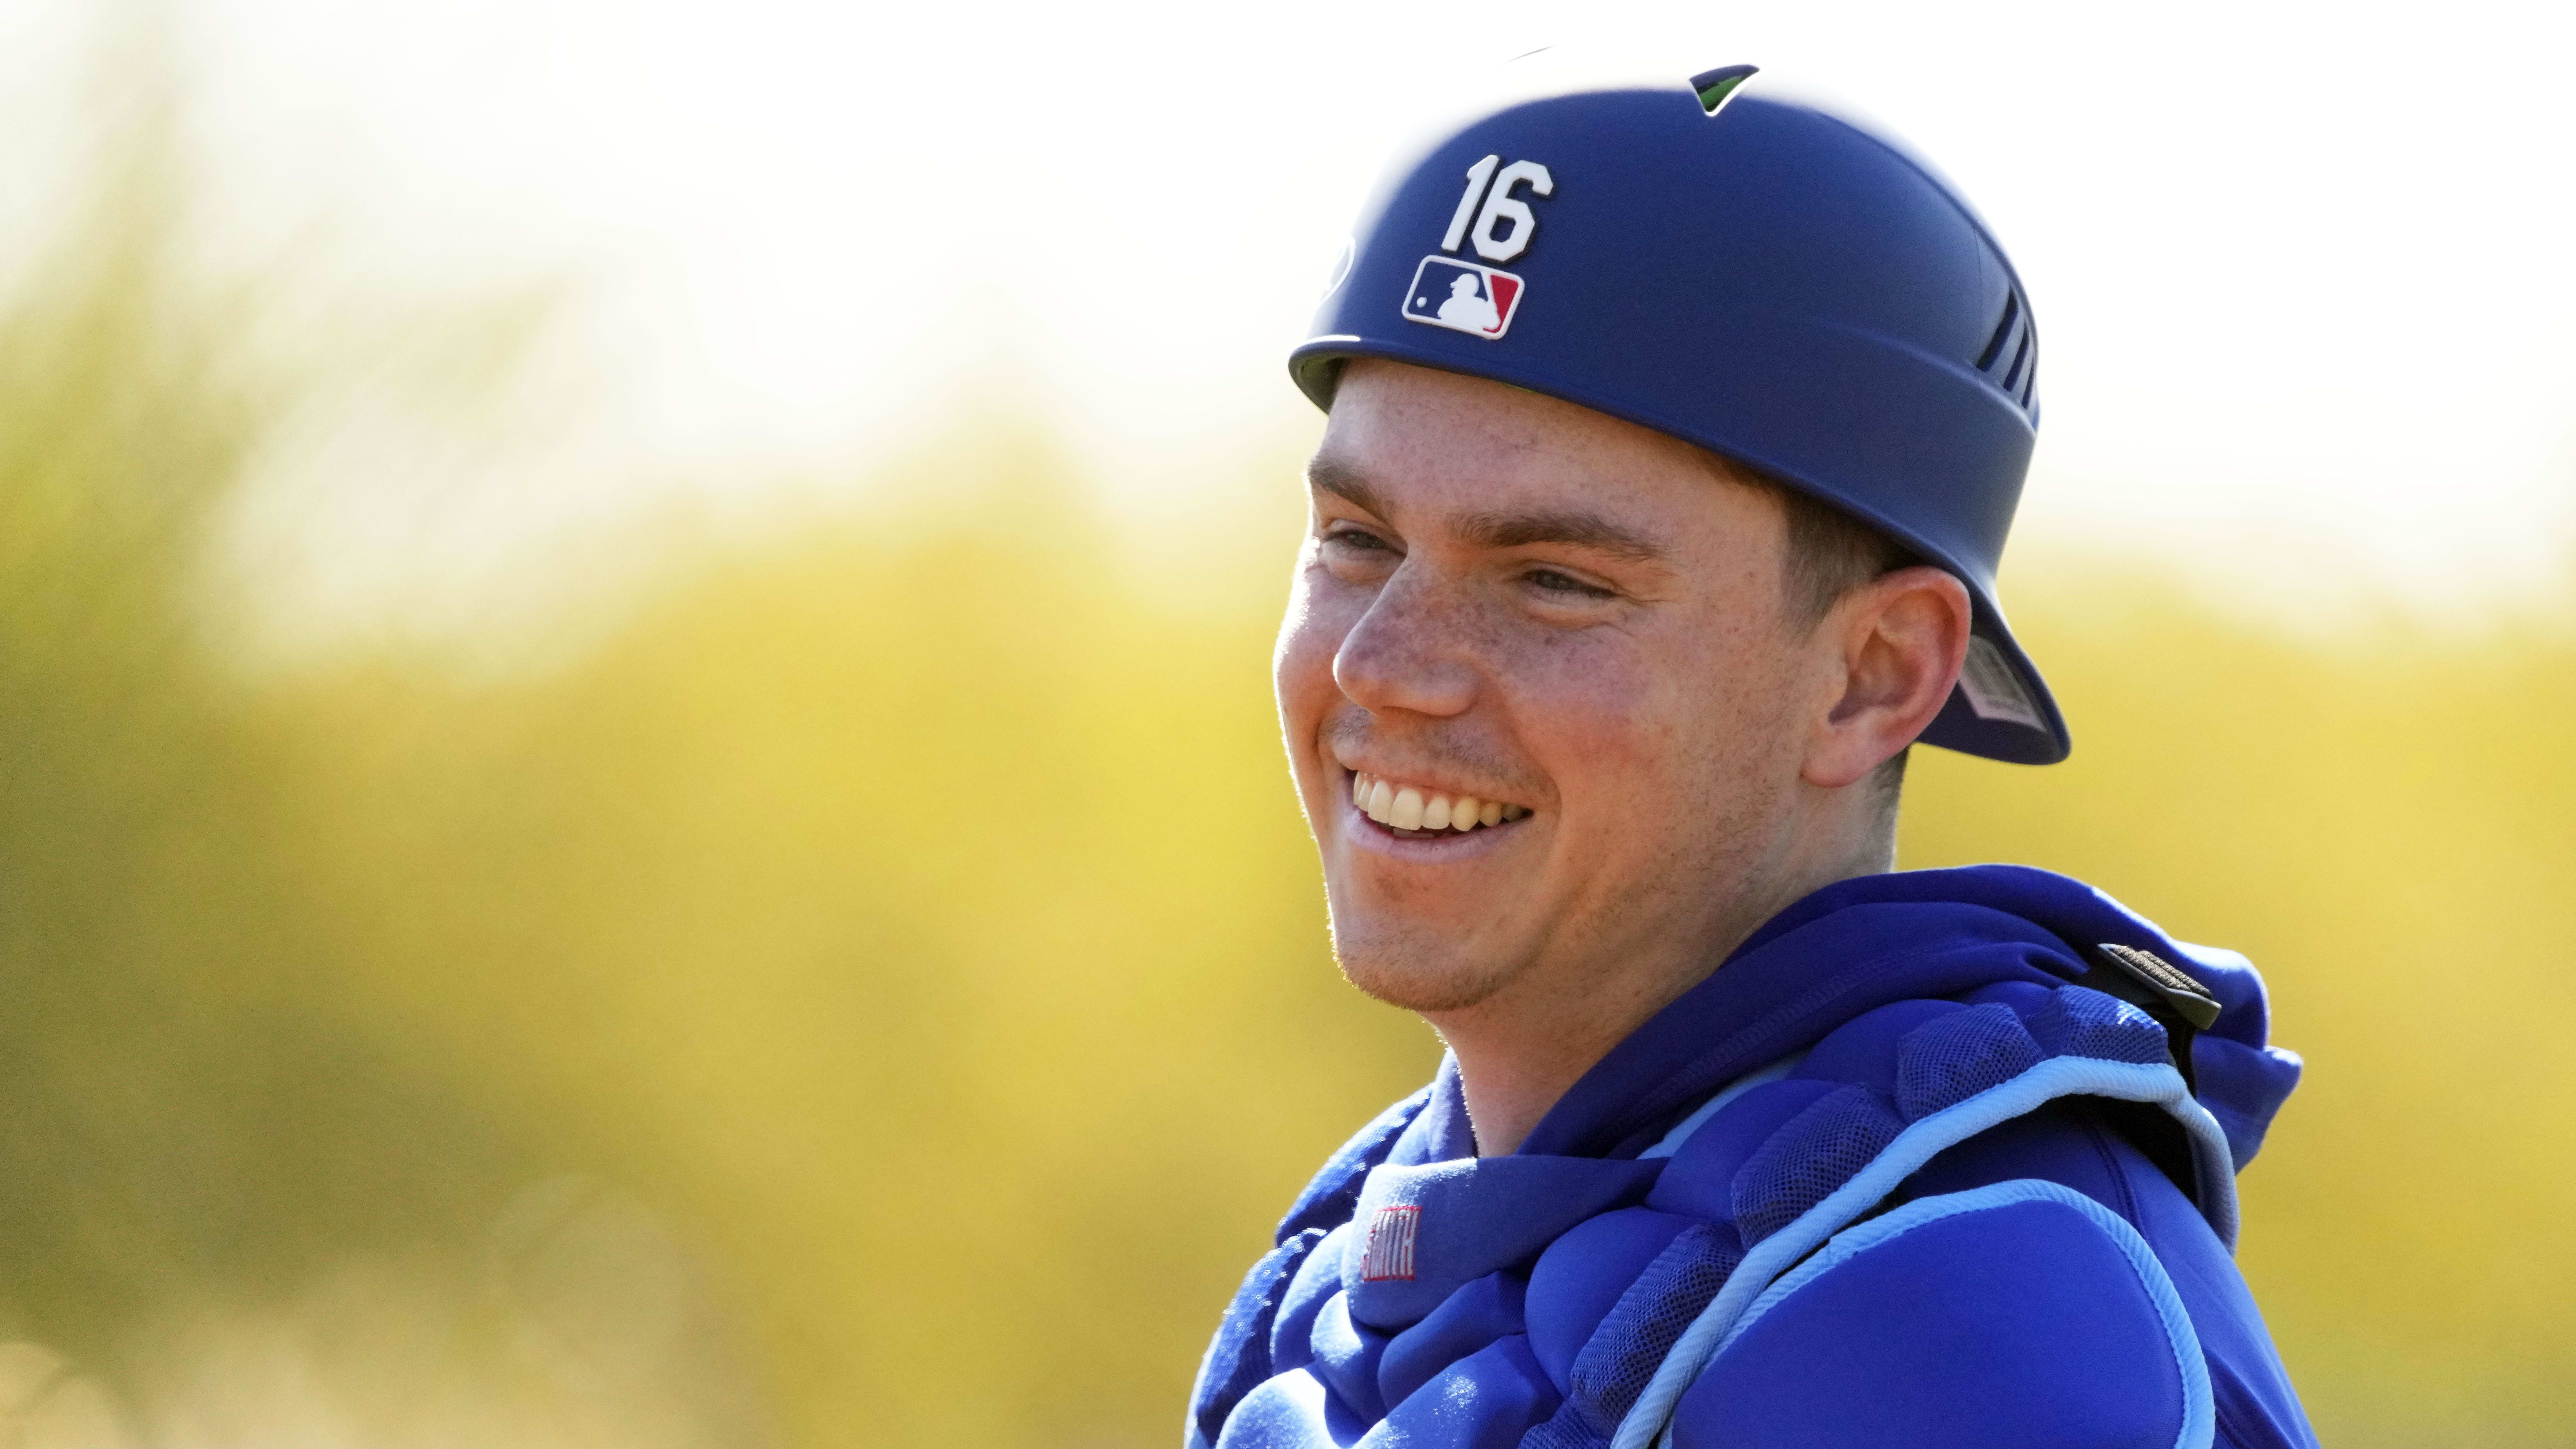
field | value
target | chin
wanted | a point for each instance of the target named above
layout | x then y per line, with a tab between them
1424	977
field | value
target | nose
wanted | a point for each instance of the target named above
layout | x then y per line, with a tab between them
1405	652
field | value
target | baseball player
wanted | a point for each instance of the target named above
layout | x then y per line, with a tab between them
1674	432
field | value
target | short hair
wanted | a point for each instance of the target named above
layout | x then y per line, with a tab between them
1831	553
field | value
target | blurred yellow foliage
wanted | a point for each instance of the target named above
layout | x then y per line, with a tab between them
878	996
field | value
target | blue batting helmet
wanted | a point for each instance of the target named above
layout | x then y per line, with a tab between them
1784	285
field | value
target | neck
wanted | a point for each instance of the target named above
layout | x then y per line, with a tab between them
1524	1047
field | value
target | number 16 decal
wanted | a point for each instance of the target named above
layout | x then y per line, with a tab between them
1503	229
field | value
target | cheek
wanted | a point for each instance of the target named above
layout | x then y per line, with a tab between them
1587	710
1301	663
1667	715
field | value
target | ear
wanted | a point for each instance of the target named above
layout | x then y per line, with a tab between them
1897	642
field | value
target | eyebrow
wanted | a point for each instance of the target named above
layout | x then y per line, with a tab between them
1581	528
1344	482
1578	527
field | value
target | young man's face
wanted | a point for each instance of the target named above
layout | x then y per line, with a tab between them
1514	599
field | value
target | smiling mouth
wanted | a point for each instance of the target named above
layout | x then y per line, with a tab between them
1416	813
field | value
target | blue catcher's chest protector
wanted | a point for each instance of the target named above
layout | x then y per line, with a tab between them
1889	1177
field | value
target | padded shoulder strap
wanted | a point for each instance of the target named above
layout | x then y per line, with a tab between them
1947	1322
1916	1144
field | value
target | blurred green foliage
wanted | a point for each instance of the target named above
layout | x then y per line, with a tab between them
878	996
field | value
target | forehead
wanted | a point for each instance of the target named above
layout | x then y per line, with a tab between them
1404	439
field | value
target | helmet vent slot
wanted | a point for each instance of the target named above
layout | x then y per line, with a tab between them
2011	357
2003	333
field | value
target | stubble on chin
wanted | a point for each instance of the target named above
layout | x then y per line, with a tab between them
1416	972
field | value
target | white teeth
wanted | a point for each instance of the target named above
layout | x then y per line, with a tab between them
1410	807
1407	814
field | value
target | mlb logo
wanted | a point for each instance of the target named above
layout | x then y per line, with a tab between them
1463	297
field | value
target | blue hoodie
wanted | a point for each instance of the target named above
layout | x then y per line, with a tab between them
1888	1177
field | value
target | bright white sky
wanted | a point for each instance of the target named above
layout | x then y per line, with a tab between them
2302	270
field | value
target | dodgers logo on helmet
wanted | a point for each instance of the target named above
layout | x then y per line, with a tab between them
1463	296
